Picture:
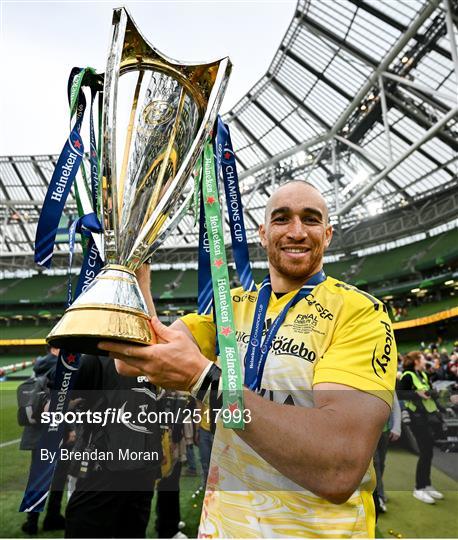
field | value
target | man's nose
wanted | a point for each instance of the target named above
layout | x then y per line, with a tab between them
297	230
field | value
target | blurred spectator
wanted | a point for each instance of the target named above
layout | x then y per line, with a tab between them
46	366
189	436
416	391
112	498
391	433
205	442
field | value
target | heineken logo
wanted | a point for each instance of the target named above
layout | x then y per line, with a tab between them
77	144
226	330
233	406
210	200
218	263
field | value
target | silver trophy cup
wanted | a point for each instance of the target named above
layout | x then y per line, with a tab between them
168	109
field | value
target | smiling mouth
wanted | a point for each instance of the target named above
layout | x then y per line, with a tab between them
295	250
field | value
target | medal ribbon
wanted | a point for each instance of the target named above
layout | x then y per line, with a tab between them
225	161
229	356
41	471
258	349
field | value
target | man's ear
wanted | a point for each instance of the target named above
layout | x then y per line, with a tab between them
262	235
328	236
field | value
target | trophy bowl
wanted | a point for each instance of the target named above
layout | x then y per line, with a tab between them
169	109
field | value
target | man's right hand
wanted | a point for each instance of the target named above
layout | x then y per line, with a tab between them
176	362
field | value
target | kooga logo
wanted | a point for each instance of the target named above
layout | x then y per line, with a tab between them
381	364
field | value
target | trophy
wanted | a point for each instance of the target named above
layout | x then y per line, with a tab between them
147	185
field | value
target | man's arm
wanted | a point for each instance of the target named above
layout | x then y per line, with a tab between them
325	449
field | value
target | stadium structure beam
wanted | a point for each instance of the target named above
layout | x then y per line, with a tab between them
299	104
451	35
316	72
29	202
370	8
430	133
272	118
386	124
340	123
371	160
415	114
252	136
423	152
317	28
422	87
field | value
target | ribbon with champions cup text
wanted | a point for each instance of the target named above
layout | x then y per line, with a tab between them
223	312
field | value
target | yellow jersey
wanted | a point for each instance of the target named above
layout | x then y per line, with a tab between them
335	334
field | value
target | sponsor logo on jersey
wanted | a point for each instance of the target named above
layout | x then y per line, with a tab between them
381	359
242	298
283	345
322	311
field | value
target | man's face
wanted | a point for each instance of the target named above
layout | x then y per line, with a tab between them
296	232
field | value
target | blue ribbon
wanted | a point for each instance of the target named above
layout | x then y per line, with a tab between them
225	161
62	179
41	471
258	349
92	262
234	206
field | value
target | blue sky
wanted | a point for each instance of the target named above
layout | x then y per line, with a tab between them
41	41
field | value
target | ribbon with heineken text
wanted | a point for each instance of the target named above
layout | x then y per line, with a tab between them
228	349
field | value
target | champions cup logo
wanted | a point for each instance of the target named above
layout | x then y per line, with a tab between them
157	112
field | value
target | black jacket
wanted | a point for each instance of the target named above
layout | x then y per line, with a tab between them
45	365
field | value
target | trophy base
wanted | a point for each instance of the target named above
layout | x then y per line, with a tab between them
111	309
81	330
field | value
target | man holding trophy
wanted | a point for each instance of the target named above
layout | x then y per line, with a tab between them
318	356
294	471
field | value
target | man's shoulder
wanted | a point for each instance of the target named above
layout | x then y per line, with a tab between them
352	297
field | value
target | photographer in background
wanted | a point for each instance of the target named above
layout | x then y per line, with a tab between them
416	391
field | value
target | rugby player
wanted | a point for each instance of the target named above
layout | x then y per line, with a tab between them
302	466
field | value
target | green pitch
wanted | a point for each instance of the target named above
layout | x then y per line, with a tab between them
405	516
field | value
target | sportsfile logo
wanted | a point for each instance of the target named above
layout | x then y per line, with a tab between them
379	365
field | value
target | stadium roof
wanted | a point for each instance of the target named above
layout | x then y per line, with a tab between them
360	99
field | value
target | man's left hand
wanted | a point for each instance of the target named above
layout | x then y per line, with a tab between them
176	362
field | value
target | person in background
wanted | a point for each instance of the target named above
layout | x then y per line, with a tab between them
189	436
205	442
415	389
112	497
391	433
54	520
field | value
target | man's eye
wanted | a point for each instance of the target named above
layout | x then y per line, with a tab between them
279	219
311	219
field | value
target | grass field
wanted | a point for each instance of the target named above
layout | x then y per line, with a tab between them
405	515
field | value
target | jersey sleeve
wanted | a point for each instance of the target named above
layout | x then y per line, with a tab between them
362	353
203	329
